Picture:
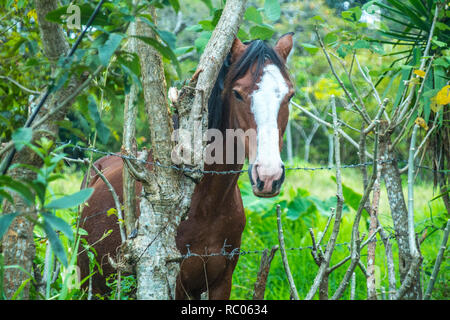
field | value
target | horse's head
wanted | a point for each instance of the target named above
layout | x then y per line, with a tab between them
258	91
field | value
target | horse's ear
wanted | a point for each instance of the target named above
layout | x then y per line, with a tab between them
237	49
284	45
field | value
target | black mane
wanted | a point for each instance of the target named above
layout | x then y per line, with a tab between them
257	53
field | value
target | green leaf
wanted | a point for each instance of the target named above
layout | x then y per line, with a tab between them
19	187
442	61
175	5
86	10
4	194
352	198
438	43
297	207
39	187
5	222
106	51
164	50
361	44
324	206
243	35
272	9
312	49
201	42
318	18
330	37
348	15
343	50
169	38
59	224
263	32
72	200
55	242
208	3
21	137
252	14
442	26
408	13
103	131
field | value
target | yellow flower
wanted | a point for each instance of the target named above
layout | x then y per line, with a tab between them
420	73
443	96
421	122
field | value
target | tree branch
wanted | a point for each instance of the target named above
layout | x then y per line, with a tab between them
339	206
438	262
20	86
294	293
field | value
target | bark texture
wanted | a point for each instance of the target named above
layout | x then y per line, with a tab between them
129	142
399	211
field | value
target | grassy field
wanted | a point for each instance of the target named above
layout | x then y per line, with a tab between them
261	232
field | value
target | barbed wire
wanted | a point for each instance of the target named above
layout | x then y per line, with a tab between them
242	252
191	170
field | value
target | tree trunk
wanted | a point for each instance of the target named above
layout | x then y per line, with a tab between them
166	192
399	211
129	142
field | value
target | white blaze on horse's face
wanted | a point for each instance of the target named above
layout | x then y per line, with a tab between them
268	170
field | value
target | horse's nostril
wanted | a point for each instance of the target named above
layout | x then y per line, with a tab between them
250	175
259	184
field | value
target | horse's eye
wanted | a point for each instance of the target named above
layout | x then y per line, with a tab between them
237	95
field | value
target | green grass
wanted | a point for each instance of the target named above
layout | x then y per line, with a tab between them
261	232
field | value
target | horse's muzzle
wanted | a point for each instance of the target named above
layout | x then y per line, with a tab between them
266	183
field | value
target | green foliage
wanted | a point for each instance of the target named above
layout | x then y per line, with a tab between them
72	200
409	25
272	9
127	287
261	232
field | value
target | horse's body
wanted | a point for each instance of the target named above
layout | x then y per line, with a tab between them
216	217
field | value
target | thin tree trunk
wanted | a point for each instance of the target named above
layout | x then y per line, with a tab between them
323	269
263	273
371	247
399	210
129	142
330	150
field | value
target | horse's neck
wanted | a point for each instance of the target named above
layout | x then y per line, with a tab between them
215	189
222	184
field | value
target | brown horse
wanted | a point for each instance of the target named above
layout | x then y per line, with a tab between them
252	92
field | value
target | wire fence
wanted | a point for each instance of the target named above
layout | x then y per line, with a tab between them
191	170
242	252
226	251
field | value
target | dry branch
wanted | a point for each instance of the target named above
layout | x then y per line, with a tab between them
341	132
438	262
263	273
323	269
356	240
293	289
362	112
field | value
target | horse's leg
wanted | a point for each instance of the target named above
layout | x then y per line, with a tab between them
182	294
220	290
